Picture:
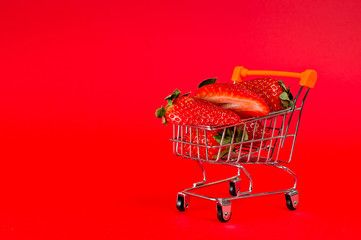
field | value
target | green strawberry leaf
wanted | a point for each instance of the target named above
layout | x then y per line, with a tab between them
170	97
240	133
218	138
159	113
224	152
229	135
290	96
285	103
229	132
286	97
245	136
174	95
164	120
282	85
226	139
186	94
207	82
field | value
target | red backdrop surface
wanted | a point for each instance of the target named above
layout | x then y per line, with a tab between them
82	155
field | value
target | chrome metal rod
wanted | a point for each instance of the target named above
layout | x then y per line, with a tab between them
230	144
287	170
232	141
200	196
298	123
211	183
178	140
204	175
205	138
174	136
182	143
198	144
256	194
261	144
221	143
190	140
269	154
248	176
293	109
281	134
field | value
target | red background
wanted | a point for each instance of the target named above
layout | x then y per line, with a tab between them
83	156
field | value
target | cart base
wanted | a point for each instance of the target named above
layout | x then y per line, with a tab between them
224	204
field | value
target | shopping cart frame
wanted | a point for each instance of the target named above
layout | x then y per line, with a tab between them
263	151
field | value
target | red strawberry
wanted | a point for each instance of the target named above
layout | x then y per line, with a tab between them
234	97
257	128
274	92
212	140
186	110
258	133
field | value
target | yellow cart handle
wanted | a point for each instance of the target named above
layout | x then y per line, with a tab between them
307	78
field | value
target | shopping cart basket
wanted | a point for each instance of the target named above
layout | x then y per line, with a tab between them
279	133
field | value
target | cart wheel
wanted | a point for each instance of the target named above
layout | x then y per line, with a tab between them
234	186
182	202
224	211
292	200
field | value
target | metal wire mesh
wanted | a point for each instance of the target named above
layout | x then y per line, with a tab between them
255	140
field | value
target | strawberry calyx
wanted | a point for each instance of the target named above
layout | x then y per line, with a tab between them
160	112
229	135
207	82
286	96
227	139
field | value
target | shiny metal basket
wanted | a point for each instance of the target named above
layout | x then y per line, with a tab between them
273	148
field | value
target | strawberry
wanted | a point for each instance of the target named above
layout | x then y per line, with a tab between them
234	97
214	138
185	110
211	141
257	129
274	92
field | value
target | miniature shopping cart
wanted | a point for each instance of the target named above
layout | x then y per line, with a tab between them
273	149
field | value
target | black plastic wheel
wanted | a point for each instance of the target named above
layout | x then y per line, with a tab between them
232	188
180	203
220	214
289	203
